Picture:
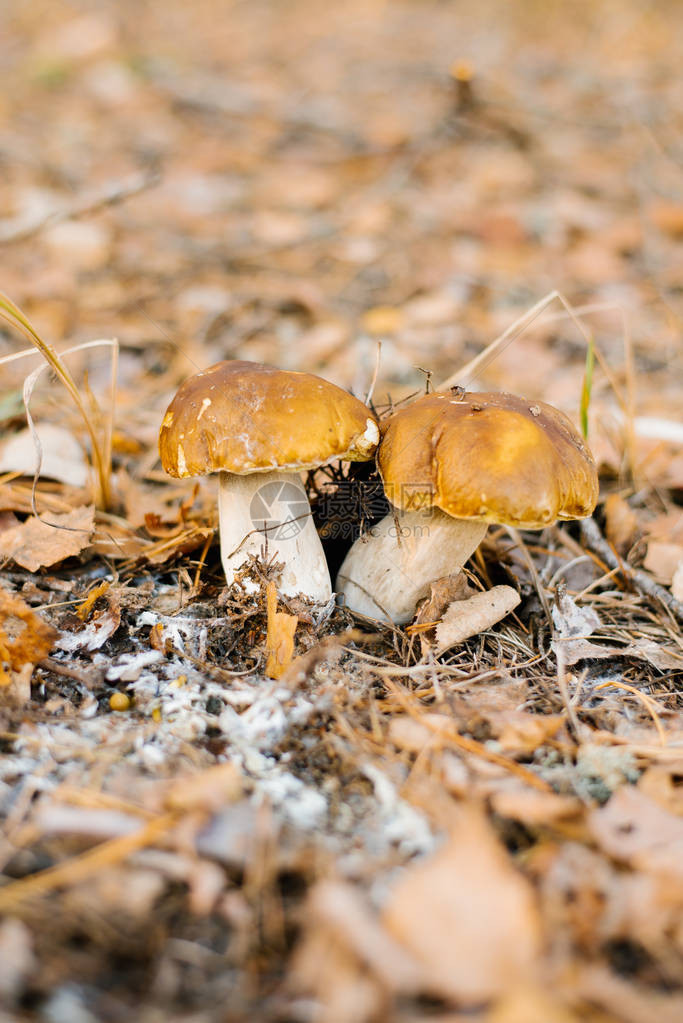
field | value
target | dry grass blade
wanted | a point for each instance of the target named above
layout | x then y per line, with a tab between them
100	453
471	370
646	700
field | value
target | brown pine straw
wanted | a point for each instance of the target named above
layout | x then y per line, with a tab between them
202	559
80	867
452	735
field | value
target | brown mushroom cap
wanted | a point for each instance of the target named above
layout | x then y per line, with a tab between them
490	457
243	417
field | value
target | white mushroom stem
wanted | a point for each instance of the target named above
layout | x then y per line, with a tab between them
384	576
267	514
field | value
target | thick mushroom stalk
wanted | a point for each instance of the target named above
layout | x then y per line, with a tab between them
384	575
267	514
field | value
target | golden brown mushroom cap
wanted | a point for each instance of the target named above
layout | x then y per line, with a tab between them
243	417
491	457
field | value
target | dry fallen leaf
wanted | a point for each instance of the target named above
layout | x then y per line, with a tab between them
442	593
534	808
677	581
210	789
25	639
62	457
101	626
467	916
662	559
430	610
279	637
465	618
522	733
527	1004
37	543
621	523
634	829
627	1002
346	959
660	657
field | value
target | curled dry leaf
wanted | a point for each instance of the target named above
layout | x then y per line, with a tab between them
430	610
37	543
467	917
575	650
442	593
465	618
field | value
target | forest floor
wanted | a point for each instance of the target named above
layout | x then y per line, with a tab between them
491	834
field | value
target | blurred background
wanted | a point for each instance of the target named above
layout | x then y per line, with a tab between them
292	181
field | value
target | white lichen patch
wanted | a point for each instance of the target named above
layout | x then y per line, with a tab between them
183	717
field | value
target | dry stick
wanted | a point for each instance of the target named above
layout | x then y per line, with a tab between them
107	197
49	664
593	538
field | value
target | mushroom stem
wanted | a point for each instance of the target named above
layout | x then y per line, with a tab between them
383	578
267	514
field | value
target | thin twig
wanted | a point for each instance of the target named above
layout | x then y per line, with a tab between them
593	538
109	196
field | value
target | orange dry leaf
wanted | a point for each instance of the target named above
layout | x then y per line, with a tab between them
36	543
84	609
25	639
279	637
